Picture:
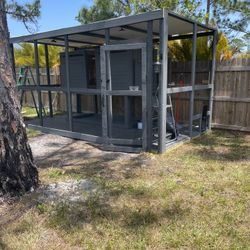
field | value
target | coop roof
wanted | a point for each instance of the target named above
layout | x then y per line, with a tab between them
121	28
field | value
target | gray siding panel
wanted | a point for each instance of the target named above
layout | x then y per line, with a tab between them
77	66
125	69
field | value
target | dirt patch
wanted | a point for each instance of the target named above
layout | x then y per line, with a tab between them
48	145
72	191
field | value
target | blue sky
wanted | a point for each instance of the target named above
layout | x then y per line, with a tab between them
55	14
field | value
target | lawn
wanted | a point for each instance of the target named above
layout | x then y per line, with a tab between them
195	196
29	113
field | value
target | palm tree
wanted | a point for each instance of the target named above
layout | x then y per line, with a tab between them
24	55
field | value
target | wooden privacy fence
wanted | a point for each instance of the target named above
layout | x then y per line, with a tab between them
232	95
231	108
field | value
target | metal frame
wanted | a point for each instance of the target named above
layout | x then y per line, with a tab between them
38	83
68	94
107	93
163	83
112	43
191	104
46	50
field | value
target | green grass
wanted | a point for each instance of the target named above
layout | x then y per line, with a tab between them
30	112
195	196
32	132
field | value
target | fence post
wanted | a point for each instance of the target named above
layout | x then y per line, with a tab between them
212	78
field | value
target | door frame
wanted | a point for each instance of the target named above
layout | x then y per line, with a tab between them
107	93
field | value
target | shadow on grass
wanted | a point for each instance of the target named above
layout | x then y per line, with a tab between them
222	146
69	217
83	161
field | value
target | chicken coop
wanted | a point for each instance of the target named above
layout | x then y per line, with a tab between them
120	86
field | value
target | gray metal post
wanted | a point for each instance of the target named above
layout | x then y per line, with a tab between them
68	94
78	103
163	81
212	76
103	95
109	84
144	99
191	103
38	83
149	85
128	111
48	78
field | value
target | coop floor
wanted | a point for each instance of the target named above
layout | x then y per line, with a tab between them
92	124
89	124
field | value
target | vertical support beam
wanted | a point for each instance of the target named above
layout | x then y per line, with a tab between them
48	78
149	78
109	84
128	110
212	76
103	95
191	103
38	83
68	94
163	82
78	103
128	99
13	59
144	99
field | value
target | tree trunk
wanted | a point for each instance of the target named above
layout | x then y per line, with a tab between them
18	173
208	12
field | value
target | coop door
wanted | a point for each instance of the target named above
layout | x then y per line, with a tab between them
123	75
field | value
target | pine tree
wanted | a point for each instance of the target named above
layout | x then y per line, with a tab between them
18	172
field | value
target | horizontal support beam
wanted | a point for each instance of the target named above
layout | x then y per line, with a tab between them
139	30
70	134
127	46
101	36
76	41
54	44
124	92
85	91
189	36
57	88
175	90
41	88
122	148
137	142
179	89
203	87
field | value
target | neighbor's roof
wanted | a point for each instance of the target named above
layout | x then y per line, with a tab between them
129	27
